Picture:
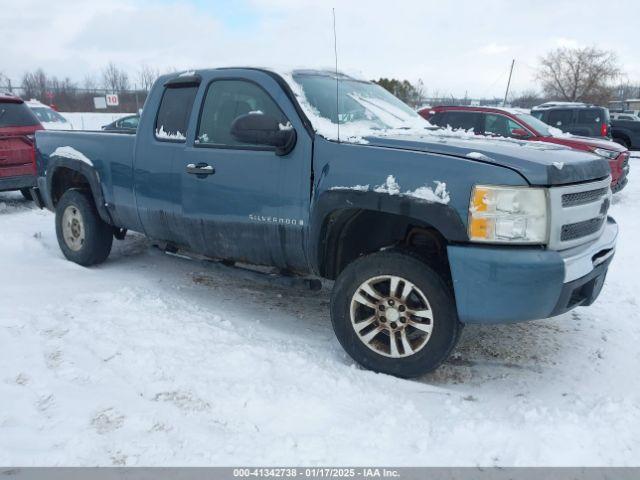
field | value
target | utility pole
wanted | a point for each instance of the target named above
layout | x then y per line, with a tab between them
506	94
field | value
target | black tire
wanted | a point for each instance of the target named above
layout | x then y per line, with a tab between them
26	193
410	267
97	235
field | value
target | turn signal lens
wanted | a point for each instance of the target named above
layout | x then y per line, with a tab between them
508	215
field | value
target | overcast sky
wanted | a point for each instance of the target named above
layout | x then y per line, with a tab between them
453	46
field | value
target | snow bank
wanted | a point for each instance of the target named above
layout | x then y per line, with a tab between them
156	360
92	120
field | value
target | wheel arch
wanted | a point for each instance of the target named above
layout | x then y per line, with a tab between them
350	224
65	173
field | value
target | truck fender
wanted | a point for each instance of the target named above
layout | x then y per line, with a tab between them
444	218
88	172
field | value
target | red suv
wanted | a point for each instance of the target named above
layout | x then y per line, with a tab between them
17	154
519	124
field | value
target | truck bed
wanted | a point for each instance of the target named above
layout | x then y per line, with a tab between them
110	154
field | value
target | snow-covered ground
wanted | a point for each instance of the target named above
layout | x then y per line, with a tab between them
151	359
91	120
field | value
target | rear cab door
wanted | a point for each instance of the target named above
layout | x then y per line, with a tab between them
160	146
244	202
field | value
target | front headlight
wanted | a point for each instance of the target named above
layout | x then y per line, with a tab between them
508	215
608	154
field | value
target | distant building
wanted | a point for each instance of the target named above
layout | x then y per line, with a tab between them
622	105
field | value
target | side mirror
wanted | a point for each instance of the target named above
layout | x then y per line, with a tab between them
519	133
261	129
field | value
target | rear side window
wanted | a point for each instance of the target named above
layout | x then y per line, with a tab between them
560	118
227	100
594	115
174	112
499	125
16	115
464	120
537	114
437	119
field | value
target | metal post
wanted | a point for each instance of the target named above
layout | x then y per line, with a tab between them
506	94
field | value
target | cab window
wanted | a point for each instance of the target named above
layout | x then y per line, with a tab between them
227	100
499	125
174	112
464	120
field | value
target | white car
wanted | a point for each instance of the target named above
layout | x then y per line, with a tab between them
625	116
49	118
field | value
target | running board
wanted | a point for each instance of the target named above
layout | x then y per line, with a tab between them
282	278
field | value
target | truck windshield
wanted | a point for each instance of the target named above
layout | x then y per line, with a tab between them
362	108
538	125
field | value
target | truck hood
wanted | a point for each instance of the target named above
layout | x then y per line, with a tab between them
539	163
578	141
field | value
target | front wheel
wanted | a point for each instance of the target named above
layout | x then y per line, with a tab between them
393	314
83	236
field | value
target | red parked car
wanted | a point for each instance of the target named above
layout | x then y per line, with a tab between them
519	124
18	126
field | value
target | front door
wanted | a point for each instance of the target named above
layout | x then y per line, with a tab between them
243	202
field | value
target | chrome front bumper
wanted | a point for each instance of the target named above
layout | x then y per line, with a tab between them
581	260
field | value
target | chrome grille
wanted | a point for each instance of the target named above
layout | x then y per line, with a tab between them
580	198
578	213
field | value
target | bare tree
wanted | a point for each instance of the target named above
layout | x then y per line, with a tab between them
578	74
627	90
35	84
147	76
527	99
114	79
89	83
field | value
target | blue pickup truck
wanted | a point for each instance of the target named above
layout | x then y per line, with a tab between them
325	175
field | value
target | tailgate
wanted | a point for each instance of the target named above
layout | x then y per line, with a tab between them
16	155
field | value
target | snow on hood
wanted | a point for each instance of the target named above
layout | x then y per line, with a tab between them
72	153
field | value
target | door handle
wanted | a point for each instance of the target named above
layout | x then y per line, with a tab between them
200	169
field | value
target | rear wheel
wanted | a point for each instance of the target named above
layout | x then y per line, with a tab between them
83	236
26	193
393	314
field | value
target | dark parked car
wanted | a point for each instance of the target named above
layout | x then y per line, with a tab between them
519	124
422	232
626	132
126	124
18	125
575	118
